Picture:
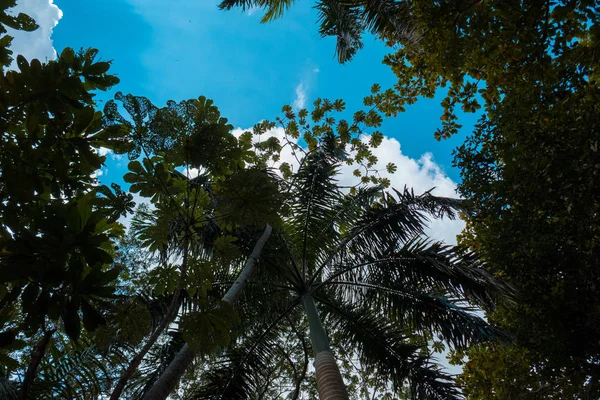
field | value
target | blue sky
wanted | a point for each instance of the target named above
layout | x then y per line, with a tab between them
181	49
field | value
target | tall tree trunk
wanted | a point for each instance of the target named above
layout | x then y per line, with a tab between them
172	374
36	359
330	384
171	311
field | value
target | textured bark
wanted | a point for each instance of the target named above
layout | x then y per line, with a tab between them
330	384
172	374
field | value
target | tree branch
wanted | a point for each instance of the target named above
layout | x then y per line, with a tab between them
36	358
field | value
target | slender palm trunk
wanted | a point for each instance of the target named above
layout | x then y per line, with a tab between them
171	312
172	374
330	384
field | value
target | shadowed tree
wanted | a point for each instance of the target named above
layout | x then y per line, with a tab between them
358	267
245	194
57	224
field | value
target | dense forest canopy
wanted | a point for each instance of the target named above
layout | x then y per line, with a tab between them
244	276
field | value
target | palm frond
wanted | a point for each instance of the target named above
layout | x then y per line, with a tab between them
8	389
311	227
275	9
426	267
243	4
239	372
384	225
394	220
385	17
80	372
383	345
352	206
343	21
420	313
459	274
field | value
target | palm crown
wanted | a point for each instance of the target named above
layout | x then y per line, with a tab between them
361	264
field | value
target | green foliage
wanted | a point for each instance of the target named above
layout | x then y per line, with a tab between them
57	234
485	52
191	133
200	276
76	371
149	178
534	213
530	171
165	278
353	141
132	319
530	168
247	197
21	22
225	251
209	326
382	291
120	202
57	230
506	372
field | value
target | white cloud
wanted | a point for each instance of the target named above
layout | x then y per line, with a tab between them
316	70
118	158
139	200
252	10
300	100
420	174
36	44
104	151
99	172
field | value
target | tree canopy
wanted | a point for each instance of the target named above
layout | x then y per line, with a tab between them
529	170
531	177
67	262
240	267
58	226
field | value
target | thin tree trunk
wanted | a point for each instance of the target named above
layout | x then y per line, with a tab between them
300	379
36	359
171	311
172	374
330	384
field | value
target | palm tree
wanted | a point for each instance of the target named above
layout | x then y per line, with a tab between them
349	268
359	268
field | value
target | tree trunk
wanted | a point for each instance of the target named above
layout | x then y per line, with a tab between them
172	374
330	384
171	312
36	359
